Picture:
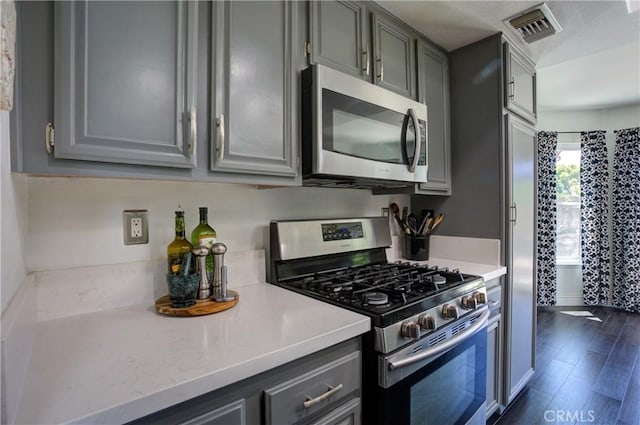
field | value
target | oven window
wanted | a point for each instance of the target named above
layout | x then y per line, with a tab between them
448	391
364	130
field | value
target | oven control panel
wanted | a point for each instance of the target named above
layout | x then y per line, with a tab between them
432	320
341	231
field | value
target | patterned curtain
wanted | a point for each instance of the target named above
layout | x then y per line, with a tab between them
626	220
593	217
546	258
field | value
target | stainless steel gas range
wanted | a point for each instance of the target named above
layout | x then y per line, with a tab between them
424	361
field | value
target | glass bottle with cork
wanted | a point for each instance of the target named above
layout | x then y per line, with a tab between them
204	235
179	246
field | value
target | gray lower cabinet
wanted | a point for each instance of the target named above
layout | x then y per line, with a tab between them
347	414
520	84
323	388
493	345
520	294
124	82
255	81
495	350
363	40
233	413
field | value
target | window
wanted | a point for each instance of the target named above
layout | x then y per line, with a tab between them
568	202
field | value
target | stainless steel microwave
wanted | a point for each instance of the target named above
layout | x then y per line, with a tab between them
356	134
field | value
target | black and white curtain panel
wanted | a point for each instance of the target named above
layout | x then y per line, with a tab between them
593	217
546	258
626	220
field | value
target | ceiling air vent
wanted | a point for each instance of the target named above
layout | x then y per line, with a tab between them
535	23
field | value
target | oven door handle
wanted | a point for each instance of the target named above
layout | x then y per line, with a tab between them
441	348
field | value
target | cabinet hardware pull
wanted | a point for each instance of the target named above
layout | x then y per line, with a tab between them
313	401
381	68
514	213
221	136
512	88
193	139
307	49
365	53
49	138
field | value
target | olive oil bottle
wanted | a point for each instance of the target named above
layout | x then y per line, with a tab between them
204	235
179	247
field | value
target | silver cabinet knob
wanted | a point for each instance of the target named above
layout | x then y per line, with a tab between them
449	311
427	322
469	302
410	330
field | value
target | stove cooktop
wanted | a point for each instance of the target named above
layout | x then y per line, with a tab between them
387	292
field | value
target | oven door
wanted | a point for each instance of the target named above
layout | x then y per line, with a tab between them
444	388
361	130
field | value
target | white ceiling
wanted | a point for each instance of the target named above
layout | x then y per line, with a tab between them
593	63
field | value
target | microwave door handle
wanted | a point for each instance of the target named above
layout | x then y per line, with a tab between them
416	150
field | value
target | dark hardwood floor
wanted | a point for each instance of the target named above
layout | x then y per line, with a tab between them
588	370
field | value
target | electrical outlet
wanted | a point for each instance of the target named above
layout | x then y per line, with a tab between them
136	229
385	211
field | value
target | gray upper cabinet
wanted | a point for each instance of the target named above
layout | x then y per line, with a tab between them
394	59
253	113
433	91
124	82
338	32
363	41
520	84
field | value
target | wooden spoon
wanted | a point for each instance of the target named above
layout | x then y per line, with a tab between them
436	222
395	210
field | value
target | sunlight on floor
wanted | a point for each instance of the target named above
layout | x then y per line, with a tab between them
579	313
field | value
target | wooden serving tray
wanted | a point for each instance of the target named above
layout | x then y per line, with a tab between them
200	308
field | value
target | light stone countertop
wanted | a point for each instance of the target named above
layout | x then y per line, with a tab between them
117	365
488	272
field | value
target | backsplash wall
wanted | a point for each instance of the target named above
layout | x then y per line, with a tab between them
77	222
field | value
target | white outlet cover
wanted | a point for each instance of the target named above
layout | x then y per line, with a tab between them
135	226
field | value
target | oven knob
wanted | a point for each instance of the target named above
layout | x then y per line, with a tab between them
449	311
410	330
480	297
469	302
427	322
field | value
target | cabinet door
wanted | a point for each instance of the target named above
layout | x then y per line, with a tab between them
433	90
254	122
394	58
520	290
124	82
520	90
230	414
337	30
347	414
494	369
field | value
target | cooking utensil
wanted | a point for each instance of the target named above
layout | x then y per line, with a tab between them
412	224
423	222
405	211
395	210
427	226
436	222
